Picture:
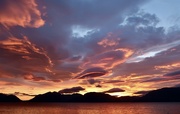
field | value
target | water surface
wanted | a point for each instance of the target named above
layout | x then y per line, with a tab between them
89	108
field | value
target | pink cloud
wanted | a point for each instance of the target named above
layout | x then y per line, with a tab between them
20	13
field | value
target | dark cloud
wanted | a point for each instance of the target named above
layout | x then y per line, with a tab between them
139	31
177	85
143	19
23	94
99	86
161	79
92	72
156	79
91	13
175	73
93	81
113	81
72	90
142	92
113	90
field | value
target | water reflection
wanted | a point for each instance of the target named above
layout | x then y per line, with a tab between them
90	108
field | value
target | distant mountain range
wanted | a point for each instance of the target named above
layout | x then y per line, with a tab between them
8	98
163	95
160	95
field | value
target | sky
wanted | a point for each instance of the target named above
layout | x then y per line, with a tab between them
120	47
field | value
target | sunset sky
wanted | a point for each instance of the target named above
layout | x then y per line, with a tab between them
120	47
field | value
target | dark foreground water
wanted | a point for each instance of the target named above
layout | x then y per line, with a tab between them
89	108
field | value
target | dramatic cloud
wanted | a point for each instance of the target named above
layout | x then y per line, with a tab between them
72	90
14	48
113	90
160	63
109	59
46	45
21	13
92	72
33	62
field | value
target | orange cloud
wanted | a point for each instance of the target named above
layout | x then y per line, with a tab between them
20	57
32	77
104	62
109	59
24	48
109	41
168	67
20	13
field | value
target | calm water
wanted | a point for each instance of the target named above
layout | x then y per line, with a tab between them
90	108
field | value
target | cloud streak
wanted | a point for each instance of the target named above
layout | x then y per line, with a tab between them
72	90
32	61
92	72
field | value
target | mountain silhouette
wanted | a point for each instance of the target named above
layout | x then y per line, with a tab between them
159	95
98	97
163	95
8	98
88	97
57	97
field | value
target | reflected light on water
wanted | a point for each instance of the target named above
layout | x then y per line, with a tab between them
90	108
